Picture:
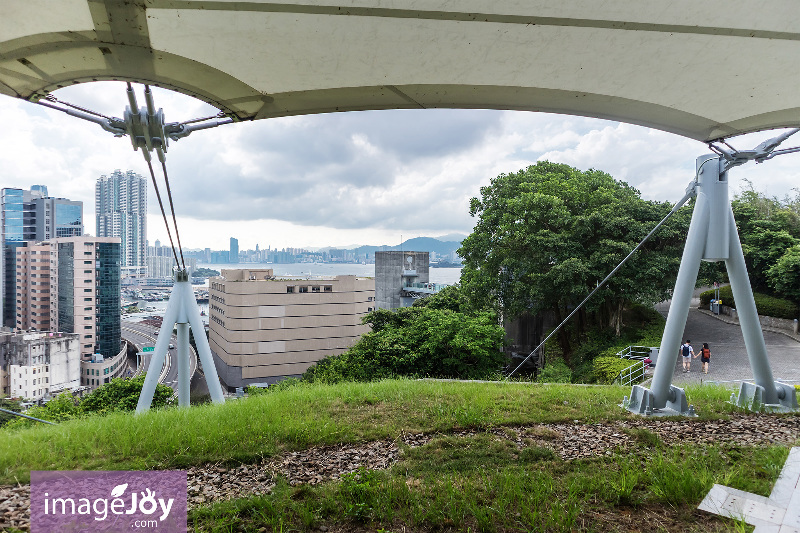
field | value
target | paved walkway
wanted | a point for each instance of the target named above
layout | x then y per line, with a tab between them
729	360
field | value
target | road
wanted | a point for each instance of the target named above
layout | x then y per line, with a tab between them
729	361
141	335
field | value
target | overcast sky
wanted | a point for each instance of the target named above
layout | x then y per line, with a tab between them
345	178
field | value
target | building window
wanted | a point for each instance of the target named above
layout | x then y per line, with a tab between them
87	290
328	288
315	288
87	327
304	288
290	289
370	298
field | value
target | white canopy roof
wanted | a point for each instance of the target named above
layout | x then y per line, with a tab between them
700	68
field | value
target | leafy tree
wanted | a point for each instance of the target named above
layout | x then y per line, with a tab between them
784	275
122	395
62	407
768	227
452	298
547	234
418	341
10	405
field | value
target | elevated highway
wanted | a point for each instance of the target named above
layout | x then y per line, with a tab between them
143	335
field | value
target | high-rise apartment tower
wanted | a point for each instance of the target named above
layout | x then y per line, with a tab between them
121	209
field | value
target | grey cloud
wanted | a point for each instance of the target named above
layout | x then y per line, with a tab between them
303	164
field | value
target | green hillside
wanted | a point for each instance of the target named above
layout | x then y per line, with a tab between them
469	457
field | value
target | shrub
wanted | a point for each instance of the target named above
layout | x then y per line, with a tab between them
607	369
62	407
418	342
122	394
765	305
282	385
555	371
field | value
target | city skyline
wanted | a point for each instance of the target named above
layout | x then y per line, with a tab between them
344	179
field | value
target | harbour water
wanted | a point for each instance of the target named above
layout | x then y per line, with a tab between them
448	276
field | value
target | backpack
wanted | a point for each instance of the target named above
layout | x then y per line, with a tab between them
706	353
685	350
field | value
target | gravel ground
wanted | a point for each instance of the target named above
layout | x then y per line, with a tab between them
212	483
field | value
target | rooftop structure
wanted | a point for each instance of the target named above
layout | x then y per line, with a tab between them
396	273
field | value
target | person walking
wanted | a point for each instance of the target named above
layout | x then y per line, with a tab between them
705	357
687	352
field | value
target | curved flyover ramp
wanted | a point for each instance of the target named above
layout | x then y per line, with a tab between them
704	69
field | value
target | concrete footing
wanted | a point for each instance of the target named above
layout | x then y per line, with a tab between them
642	402
751	397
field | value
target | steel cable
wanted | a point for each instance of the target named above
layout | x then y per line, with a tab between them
172	208
683	200
161	205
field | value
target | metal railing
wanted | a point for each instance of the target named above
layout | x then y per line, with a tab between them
632	374
637	371
635	352
429	288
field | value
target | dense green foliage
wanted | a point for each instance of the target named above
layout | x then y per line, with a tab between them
422	341
784	275
607	368
555	371
643	326
10	405
122	395
118	395
548	234
440	336
765	305
769	229
282	385
62	407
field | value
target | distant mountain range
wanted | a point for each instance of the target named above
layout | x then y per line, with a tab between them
442	245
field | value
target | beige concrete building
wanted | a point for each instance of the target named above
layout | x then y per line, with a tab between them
37	286
263	329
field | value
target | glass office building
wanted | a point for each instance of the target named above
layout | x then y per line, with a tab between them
12	236
58	217
107	268
89	292
28	216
